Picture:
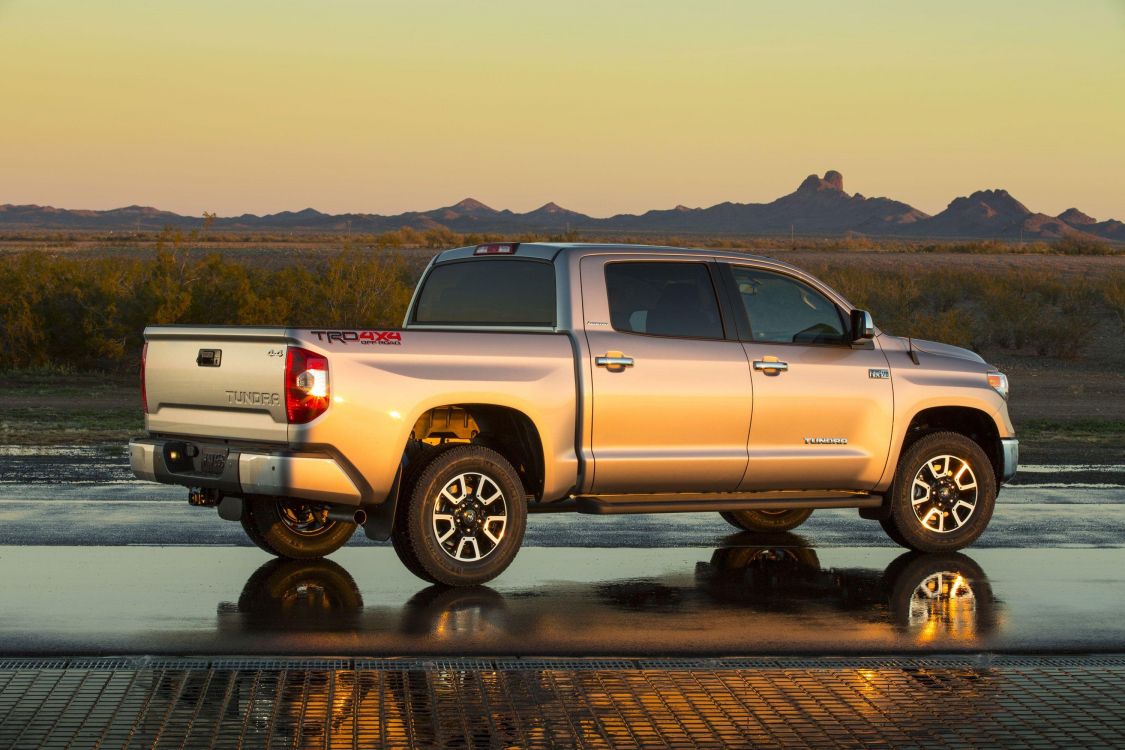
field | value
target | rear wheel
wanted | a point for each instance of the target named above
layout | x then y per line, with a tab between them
295	529
943	494
766	520
251	528
465	518
400	540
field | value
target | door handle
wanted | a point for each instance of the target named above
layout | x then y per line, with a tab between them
613	359
768	365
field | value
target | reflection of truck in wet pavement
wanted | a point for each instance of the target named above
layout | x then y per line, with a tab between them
598	379
739	595
438	701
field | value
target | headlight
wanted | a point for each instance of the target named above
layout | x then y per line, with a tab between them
999	382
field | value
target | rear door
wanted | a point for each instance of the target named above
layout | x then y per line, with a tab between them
671	390
823	408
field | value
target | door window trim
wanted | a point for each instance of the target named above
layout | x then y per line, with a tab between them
745	332
726	321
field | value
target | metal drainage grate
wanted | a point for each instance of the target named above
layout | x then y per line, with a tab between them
249	703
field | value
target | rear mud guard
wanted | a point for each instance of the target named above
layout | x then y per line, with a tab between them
381	518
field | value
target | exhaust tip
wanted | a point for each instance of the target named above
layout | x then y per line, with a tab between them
347	514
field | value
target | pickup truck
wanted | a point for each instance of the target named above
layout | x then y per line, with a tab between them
608	379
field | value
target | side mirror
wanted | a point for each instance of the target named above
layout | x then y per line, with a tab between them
862	325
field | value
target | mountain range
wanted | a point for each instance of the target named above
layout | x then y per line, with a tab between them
818	207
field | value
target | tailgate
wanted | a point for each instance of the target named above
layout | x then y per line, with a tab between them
216	381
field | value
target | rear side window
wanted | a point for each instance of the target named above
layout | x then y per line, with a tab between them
663	299
787	311
488	293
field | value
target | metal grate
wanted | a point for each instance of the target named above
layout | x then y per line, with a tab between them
936	701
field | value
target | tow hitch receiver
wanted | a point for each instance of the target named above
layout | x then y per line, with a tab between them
204	497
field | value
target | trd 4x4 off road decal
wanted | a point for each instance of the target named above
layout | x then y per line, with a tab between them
381	338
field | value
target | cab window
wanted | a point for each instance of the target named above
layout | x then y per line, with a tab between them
663	299
491	292
783	310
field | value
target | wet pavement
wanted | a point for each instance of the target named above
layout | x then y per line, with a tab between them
103	564
87	496
735	600
133	620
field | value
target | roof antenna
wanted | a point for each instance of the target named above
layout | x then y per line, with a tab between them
910	350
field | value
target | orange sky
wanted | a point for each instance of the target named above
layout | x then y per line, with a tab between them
602	107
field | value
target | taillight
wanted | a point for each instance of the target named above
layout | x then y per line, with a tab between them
306	385
144	393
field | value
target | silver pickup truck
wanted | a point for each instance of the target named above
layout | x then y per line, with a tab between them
587	378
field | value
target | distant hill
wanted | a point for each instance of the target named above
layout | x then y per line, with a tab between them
818	207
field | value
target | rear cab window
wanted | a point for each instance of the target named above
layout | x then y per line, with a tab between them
500	292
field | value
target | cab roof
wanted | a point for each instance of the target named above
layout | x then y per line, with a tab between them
552	251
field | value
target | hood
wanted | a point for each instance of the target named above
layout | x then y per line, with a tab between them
943	350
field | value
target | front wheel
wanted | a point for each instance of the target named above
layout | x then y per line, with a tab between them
294	529
465	518
943	494
764	521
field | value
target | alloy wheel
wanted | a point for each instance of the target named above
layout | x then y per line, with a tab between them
470	517
944	493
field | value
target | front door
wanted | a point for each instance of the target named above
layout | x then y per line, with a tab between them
671	392
823	408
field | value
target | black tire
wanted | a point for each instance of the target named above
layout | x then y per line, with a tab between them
276	520
447	561
909	518
896	536
766	520
251	528
400	541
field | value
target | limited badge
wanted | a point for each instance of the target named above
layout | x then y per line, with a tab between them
879	374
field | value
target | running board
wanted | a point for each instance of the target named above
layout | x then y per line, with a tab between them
684	503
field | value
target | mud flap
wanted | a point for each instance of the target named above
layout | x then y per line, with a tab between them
381	518
230	508
879	513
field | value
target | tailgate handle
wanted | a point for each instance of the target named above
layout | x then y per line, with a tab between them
209	357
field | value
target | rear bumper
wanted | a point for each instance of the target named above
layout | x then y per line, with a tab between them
1009	457
237	471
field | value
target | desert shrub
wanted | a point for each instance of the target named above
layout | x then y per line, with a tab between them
67	311
1113	294
70	311
983	310
1074	245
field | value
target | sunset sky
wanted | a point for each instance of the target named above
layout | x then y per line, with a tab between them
603	107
